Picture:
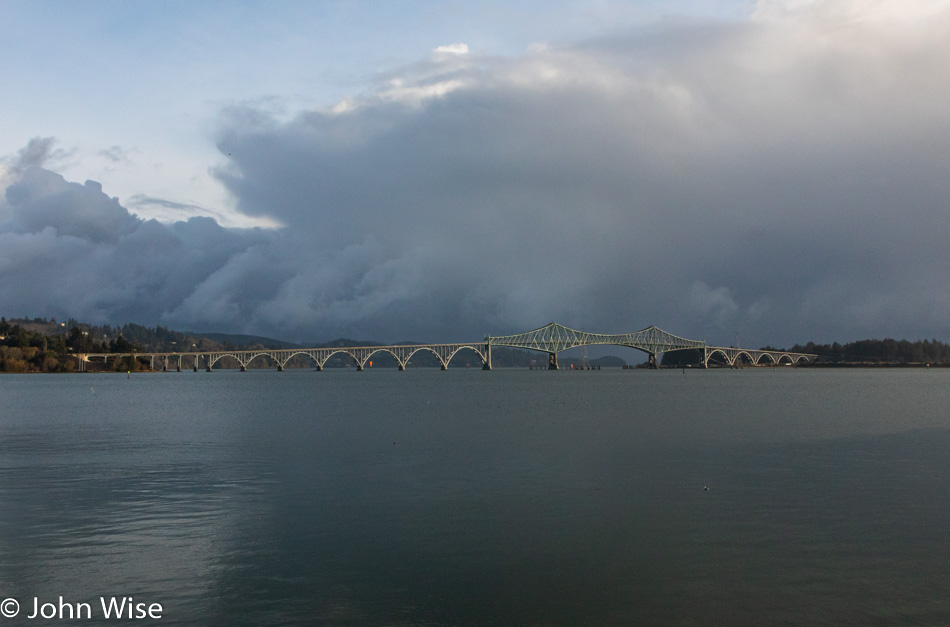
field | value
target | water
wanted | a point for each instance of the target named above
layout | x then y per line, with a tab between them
481	498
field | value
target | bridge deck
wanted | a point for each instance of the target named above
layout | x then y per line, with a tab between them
552	339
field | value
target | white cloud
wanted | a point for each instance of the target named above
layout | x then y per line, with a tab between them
452	49
415	95
842	14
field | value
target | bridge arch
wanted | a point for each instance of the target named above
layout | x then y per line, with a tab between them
477	352
269	355
216	357
717	351
743	357
307	354
442	362
382	349
341	351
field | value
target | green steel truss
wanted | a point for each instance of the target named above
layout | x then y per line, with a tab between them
554	338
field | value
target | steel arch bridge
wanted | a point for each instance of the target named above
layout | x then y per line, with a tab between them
551	338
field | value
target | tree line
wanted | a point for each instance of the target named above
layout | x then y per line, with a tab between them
41	345
887	351
877	352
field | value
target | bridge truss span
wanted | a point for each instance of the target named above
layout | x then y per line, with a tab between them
554	338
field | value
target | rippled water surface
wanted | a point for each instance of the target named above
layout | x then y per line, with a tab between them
465	497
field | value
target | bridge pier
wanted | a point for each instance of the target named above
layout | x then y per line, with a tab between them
487	364
243	368
652	362
401	368
280	368
552	361
319	368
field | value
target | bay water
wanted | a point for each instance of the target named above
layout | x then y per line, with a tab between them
763	496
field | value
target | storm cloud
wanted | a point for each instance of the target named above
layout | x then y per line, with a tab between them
785	177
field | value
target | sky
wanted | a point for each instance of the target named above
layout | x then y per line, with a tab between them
776	169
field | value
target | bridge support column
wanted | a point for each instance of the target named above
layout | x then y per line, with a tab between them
444	367
652	363
319	368
401	368
243	368
359	367
280	368
487	365
552	361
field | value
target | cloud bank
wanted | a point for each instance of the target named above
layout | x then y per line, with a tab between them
784	177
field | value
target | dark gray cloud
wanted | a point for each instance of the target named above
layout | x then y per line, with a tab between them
784	178
115	154
38	152
69	250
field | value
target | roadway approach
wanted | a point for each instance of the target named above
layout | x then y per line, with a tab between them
552	338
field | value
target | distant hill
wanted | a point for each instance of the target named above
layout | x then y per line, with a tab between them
242	341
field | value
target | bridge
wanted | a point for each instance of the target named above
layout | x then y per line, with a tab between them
552	338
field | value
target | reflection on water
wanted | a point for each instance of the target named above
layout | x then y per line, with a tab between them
470	497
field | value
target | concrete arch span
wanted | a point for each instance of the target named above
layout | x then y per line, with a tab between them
340	351
714	352
214	358
474	349
422	349
307	354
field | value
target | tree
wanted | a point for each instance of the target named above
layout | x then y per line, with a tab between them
121	345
